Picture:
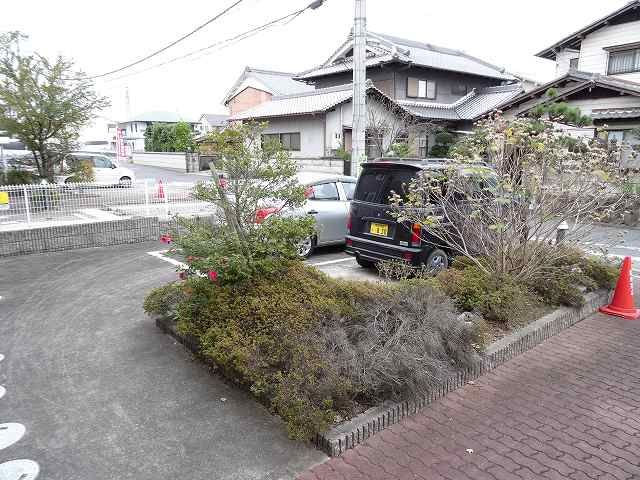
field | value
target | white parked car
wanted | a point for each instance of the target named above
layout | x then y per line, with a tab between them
107	171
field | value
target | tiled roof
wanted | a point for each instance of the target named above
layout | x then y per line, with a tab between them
385	48
469	107
306	103
215	119
275	83
608	113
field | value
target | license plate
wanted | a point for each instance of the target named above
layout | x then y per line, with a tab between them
379	229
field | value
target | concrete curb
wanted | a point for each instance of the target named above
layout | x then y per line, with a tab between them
357	430
354	432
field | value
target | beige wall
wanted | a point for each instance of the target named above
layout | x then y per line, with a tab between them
247	98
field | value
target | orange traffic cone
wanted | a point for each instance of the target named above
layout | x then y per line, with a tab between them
160	190
622	304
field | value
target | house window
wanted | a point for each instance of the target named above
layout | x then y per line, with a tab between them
417	88
573	63
289	141
423	145
624	61
459	89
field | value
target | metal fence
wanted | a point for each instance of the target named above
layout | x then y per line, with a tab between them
31	206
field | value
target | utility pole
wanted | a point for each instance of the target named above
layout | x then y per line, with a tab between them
359	122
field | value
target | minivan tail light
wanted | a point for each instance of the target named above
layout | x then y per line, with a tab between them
416	231
349	223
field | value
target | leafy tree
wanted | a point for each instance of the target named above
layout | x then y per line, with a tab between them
560	112
43	103
257	175
184	137
164	137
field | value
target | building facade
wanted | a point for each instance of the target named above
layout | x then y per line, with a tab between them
598	69
432	85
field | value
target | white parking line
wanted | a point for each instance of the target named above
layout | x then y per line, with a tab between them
331	262
10	433
2	391
19	470
161	255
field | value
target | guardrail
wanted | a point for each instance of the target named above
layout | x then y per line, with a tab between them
32	206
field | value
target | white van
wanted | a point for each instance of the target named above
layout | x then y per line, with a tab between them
107	171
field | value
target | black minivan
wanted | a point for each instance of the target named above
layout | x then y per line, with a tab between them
373	234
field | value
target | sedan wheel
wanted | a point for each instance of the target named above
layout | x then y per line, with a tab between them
305	247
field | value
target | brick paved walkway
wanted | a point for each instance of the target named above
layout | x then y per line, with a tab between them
568	409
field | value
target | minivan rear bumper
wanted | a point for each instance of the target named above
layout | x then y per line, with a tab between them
376	251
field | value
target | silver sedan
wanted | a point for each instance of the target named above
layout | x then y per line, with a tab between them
328	200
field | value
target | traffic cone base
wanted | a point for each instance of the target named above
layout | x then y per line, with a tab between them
622	304
628	313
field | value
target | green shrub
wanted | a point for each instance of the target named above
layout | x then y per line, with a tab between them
164	300
316	349
497	299
19	177
566	279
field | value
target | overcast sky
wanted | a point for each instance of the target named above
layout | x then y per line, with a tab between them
107	35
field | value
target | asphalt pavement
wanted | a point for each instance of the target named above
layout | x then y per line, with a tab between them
103	394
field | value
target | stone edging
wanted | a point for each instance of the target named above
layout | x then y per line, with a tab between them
349	434
355	431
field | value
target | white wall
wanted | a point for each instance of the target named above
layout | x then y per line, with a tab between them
161	159
588	105
592	56
563	59
311	130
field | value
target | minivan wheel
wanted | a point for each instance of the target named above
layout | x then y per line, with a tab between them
365	263
306	247
437	260
125	182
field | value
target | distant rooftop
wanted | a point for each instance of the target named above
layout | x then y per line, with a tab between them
160	117
275	83
215	119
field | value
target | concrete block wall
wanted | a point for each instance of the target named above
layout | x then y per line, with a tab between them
68	237
174	161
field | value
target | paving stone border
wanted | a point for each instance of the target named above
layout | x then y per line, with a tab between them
349	434
83	235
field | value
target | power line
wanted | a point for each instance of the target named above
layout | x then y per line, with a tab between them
167	47
231	40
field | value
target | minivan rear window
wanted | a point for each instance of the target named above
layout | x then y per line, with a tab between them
376	184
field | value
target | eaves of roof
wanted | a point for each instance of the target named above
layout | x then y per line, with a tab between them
569	84
576	37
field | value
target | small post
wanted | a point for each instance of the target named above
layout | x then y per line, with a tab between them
26	203
561	231
146	197
166	202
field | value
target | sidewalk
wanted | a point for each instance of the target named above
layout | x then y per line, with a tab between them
567	409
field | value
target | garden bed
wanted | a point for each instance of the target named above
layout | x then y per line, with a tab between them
349	433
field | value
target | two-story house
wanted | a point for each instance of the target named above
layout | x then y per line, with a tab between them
430	83
598	70
135	127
